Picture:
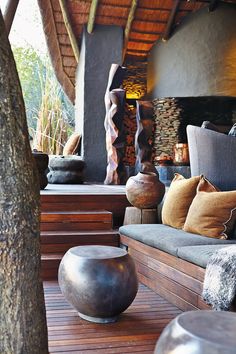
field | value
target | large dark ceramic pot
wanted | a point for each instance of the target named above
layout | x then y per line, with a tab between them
145	190
41	160
66	169
99	281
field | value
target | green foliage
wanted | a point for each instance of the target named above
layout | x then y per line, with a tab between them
52	126
30	67
50	115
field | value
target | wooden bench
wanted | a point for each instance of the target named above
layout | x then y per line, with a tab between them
176	280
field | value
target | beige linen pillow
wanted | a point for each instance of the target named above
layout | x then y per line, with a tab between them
71	144
212	213
178	200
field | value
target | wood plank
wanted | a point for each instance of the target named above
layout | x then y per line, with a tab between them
136	330
76	216
180	282
169	271
57	237
171	20
75	226
179	264
9	14
168	284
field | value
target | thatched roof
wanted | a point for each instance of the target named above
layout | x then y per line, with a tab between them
144	22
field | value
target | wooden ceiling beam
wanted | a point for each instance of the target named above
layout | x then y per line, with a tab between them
9	14
171	20
69	29
130	19
213	5
92	15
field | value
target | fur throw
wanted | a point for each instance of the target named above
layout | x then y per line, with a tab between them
219	288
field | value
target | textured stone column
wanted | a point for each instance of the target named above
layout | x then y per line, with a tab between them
98	51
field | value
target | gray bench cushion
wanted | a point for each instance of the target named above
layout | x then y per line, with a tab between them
167	238
198	255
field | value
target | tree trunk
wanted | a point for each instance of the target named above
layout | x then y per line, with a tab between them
22	311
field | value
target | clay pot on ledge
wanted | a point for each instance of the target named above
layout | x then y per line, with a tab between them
145	190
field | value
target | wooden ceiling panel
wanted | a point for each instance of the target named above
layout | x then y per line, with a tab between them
78	7
142	36
139	46
61	28
70	71
113	11
148	27
110	20
69	61
67	50
80	19
118	3
156	4
151	15
64	39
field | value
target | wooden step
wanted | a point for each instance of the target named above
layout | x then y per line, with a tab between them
61	241
67	198
76	220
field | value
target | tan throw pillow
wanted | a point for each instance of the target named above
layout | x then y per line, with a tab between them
178	200
71	144
212	213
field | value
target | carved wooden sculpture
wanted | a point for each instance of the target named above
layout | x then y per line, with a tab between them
143	137
115	137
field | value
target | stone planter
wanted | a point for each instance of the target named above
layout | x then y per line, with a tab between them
66	170
145	190
41	160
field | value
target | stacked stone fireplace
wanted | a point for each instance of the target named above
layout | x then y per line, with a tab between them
172	115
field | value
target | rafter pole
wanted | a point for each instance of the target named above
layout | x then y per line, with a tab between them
129	22
92	15
66	18
9	14
171	20
213	5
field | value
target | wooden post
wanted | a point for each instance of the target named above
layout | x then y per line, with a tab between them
171	21
135	215
9	14
213	5
133	7
69	29
92	15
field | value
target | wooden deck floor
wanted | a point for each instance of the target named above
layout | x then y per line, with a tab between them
136	331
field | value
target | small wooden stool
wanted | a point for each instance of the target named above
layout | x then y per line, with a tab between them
135	215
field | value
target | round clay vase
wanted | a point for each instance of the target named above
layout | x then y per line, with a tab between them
145	190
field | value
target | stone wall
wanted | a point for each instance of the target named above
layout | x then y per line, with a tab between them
172	115
130	127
